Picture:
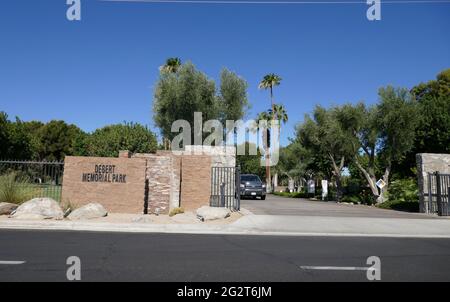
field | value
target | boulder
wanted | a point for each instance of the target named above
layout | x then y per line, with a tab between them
212	213
7	208
89	211
39	208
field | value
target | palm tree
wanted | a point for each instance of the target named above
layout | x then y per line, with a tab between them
279	113
171	66
268	82
264	116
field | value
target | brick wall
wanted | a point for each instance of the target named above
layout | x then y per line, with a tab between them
195	181
115	196
158	176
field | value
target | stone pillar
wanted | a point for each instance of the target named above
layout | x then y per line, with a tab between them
429	163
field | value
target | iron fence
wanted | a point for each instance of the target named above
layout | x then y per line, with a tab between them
31	179
438	193
224	187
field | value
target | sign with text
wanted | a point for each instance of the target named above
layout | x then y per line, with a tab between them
116	183
104	173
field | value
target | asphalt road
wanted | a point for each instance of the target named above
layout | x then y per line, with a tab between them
276	205
173	257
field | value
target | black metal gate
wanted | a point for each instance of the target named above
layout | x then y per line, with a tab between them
438	193
30	179
225	187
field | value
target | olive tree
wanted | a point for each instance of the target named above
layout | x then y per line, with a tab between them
381	134
324	135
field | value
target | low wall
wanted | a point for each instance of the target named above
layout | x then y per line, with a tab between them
195	181
117	183
134	183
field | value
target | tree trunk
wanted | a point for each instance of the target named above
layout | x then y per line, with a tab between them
384	192
268	178
275	181
337	175
267	157
371	180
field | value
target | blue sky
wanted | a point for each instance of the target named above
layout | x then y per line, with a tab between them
102	70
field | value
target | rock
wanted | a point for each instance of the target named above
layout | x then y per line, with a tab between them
39	208
212	213
89	211
7	208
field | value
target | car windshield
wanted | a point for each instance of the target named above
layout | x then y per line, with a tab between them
250	178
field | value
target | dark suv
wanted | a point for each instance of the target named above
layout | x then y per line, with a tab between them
252	186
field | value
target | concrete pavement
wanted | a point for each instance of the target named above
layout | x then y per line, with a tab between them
186	257
276	205
343	226
282	225
289	217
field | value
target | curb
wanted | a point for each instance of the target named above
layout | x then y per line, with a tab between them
190	229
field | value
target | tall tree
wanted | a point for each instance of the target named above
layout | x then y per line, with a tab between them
279	113
384	132
433	131
179	95
324	136
171	66
233	96
269	82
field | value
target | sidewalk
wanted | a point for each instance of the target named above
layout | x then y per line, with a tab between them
262	225
344	226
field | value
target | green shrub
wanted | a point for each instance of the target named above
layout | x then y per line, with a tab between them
351	199
14	189
294	194
403	195
176	211
407	206
403	190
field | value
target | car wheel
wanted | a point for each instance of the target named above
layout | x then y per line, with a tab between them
263	197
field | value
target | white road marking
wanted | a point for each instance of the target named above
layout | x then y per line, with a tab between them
335	268
11	262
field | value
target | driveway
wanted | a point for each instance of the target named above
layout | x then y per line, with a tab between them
276	205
